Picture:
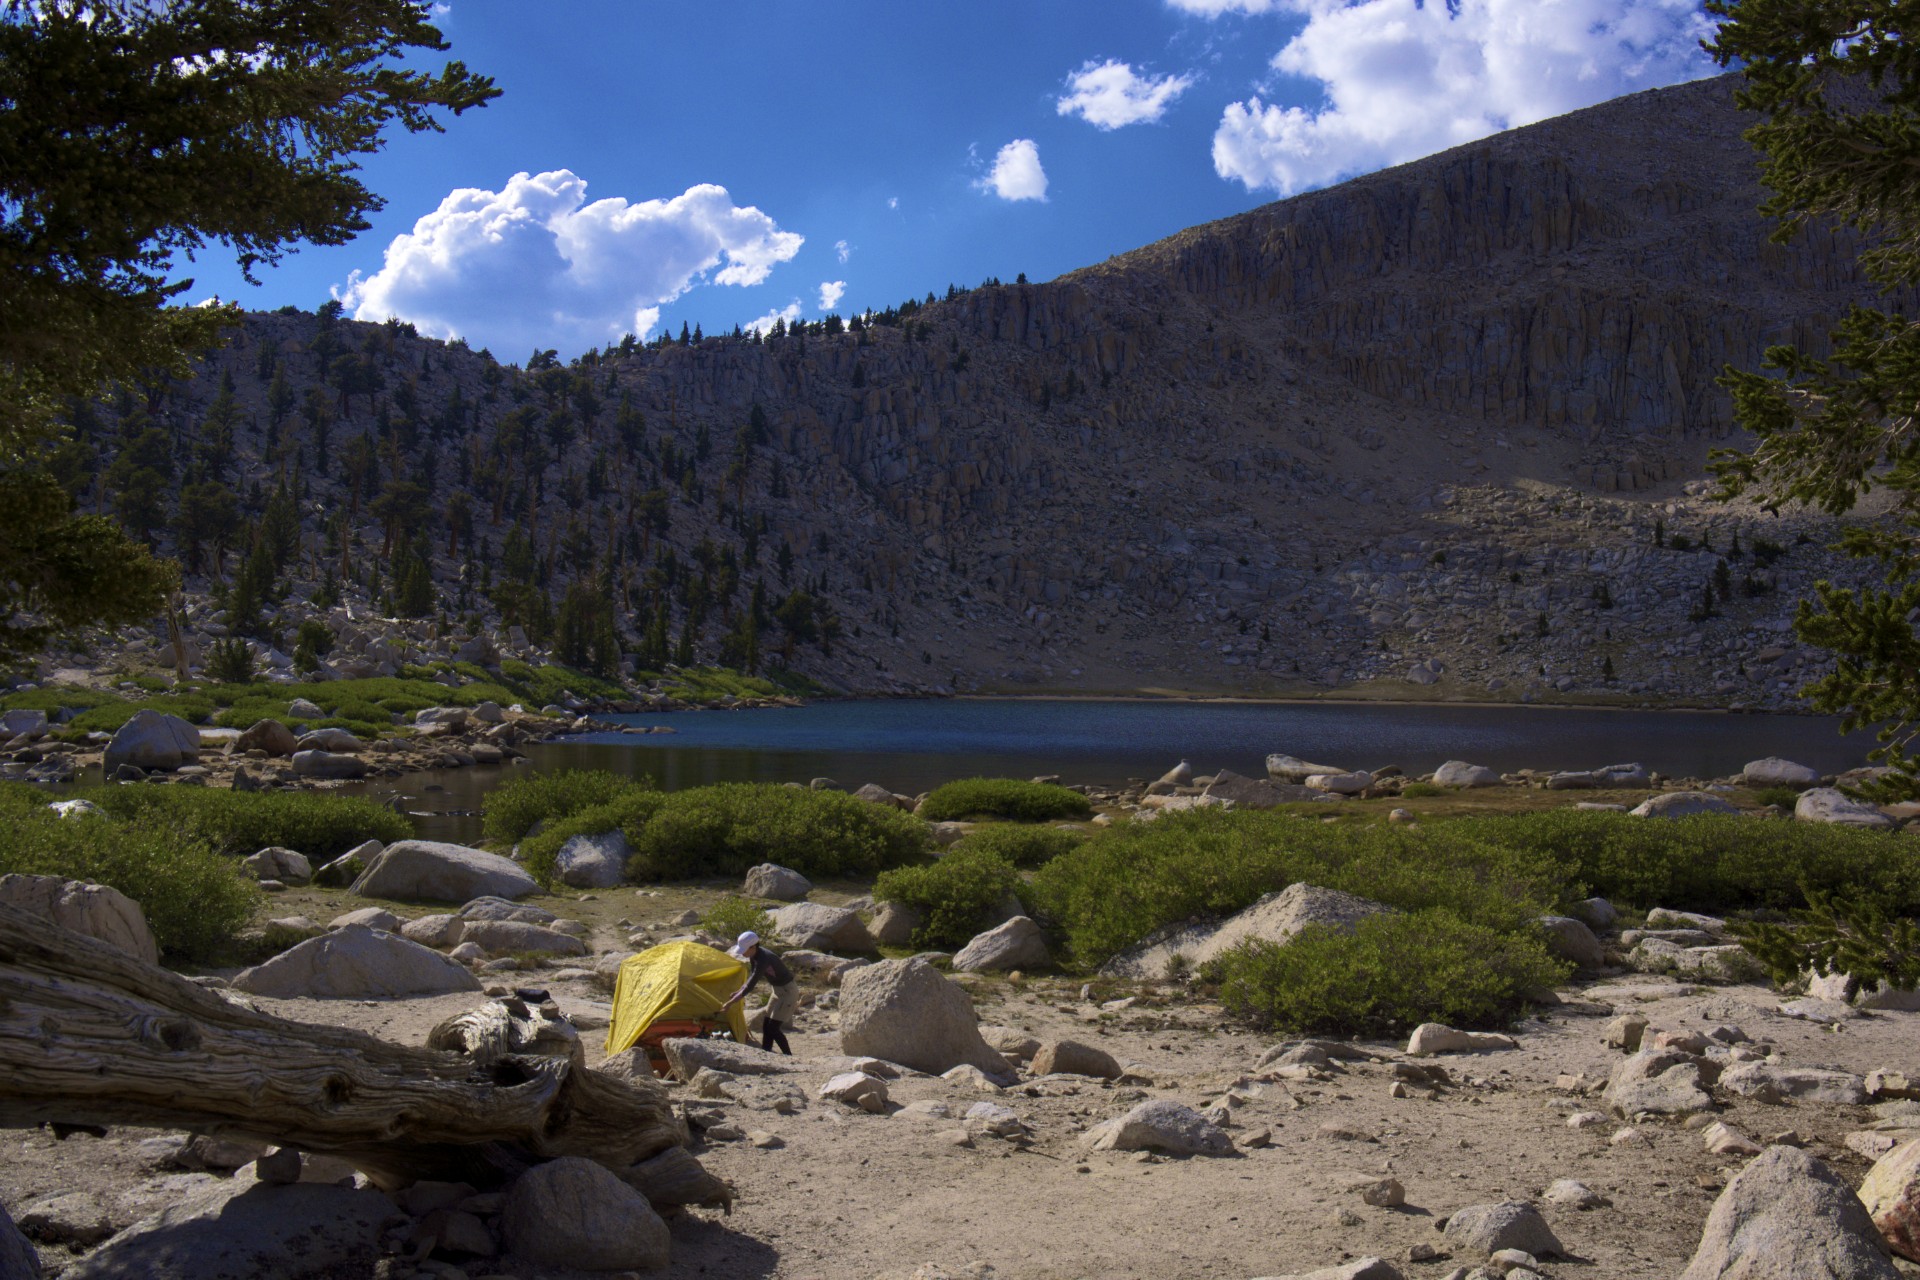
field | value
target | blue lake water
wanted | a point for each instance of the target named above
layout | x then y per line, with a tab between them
912	746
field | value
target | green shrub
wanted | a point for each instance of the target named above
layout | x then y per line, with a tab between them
725	829
1422	791
515	806
194	899
1785	797
1391	973
538	686
628	812
1712	862
1021	845
241	822
1124	883
230	661
733	915
1006	798
953	895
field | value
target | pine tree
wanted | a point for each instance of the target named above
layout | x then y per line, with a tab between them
1833	85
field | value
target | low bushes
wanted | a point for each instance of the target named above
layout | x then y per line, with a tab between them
725	829
628	812
704	831
953	895
1006	798
1117	887
240	822
1391	973
516	805
733	915
1710	862
194	899
1023	846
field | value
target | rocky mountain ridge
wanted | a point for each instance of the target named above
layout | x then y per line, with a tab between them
1436	432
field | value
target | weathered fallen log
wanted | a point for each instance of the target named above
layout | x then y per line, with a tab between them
90	1035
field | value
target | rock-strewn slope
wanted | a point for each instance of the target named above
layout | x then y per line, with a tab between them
1435	429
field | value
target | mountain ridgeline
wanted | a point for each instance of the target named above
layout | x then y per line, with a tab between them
1437	431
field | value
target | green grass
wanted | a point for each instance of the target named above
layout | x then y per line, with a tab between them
710	684
193	898
538	686
953	895
318	824
1005	798
362	707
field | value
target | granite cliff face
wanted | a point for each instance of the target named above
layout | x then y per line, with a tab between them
1428	433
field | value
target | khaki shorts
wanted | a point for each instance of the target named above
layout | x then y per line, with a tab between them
785	1001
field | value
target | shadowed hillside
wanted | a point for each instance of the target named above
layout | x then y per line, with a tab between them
1435	432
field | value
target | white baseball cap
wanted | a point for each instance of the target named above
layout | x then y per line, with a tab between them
745	940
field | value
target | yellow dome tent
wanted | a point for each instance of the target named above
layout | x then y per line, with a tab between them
674	989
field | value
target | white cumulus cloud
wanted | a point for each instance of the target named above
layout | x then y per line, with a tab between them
1404	79
842	250
534	265
1111	94
787	314
831	292
1016	172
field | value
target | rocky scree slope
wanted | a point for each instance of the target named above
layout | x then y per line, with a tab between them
1430	433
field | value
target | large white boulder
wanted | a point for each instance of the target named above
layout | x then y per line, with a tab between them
1458	773
1160	1125
153	740
1482	1229
93	909
593	862
430	871
905	1011
1341	784
813	926
1786	1216
1284	768
1663	1082
1274	918
1775	772
1891	1194
1683	804
517	937
1831	805
782	884
334	739
356	963
1017	944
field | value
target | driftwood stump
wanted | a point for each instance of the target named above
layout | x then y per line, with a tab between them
90	1036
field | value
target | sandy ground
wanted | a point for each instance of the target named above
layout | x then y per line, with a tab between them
848	1194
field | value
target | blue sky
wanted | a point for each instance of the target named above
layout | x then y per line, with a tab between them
719	164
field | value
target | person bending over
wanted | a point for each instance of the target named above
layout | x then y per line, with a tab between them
762	963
